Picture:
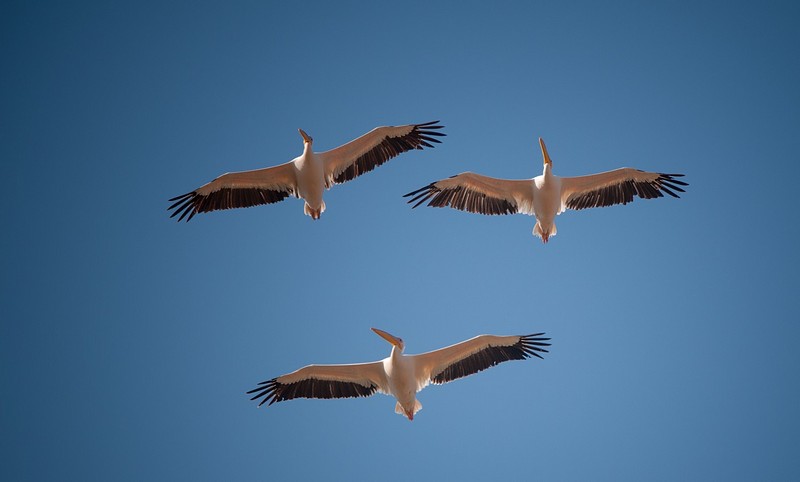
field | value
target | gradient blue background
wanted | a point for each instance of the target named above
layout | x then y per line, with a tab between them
128	340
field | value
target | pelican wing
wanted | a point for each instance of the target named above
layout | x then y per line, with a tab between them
617	187
238	190
324	381
474	355
374	148
477	194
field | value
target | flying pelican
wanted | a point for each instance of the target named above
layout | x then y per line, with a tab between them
399	375
547	195
306	176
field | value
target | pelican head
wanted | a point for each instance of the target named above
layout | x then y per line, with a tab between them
306	138
395	341
545	155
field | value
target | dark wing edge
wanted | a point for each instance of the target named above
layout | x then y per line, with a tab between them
421	135
273	391
192	203
461	198
527	346
624	192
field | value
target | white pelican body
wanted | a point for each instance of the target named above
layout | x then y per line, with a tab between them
545	196
399	375
310	175
546	202
307	176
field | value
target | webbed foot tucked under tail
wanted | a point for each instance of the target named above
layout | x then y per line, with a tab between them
314	213
545	235
398	409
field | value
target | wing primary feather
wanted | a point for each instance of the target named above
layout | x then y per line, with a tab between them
179	199
534	343
421	195
191	214
431	123
422	198
671	176
624	191
274	391
189	204
421	135
491	355
267	390
664	188
412	193
462	198
181	203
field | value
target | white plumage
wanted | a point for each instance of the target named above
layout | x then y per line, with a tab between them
545	196
399	375
307	176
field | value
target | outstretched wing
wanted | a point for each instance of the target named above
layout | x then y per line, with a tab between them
238	190
474	355
477	194
617	187
324	381
375	148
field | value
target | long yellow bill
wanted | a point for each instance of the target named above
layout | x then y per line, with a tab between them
545	155
388	337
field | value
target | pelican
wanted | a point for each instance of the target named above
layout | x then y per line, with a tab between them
399	375
547	195
306	176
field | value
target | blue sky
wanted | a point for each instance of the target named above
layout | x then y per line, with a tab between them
127	341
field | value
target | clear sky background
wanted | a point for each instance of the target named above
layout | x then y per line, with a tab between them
127	341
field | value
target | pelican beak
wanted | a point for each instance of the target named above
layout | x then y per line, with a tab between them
545	155
306	137
386	336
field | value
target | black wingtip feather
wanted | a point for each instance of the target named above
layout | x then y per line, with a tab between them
462	198
413	193
421	136
189	204
179	198
625	191
266	389
274	391
421	195
671	178
664	188
526	347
